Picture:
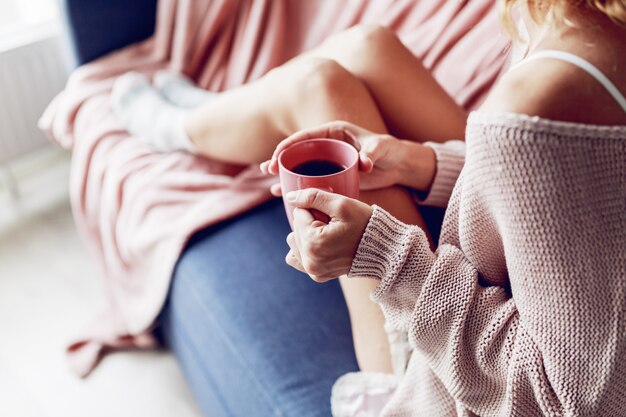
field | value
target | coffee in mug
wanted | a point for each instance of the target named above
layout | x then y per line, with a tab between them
318	167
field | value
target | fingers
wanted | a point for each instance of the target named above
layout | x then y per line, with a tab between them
294	261
293	258
330	204
366	163
375	149
276	190
302	218
303	222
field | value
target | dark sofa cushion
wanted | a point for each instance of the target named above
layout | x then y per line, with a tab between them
96	27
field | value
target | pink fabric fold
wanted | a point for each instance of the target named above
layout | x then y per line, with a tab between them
136	209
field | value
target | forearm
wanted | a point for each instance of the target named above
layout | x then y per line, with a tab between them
432	169
418	166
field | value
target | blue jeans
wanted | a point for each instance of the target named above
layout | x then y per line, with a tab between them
253	336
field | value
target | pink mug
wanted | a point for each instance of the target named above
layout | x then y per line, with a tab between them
328	164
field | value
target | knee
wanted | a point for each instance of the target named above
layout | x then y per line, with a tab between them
363	37
373	35
306	86
323	77
318	80
371	39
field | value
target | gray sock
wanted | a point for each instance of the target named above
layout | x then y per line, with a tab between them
149	116
180	90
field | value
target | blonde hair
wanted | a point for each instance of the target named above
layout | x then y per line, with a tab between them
539	9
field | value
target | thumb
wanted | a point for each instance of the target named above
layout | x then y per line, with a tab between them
313	198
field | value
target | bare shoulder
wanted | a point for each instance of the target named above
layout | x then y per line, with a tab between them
555	90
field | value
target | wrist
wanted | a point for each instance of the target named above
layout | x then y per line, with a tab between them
417	167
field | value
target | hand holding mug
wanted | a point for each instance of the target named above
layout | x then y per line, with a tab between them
325	251
380	156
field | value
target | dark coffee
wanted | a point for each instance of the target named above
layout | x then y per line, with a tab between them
318	167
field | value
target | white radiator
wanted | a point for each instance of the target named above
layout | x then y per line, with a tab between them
32	72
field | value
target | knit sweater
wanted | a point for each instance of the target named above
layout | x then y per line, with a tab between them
521	311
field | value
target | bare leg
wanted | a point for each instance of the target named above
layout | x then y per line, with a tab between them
412	103
245	124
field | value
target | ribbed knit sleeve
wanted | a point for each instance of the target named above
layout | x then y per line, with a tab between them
466	331
551	338
450	156
397	254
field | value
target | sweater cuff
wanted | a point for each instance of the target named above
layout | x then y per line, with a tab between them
450	159
399	256
382	248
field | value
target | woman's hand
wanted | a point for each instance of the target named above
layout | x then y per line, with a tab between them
380	156
325	251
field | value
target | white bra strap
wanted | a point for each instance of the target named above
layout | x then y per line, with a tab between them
582	64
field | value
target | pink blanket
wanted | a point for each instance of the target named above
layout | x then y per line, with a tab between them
136	209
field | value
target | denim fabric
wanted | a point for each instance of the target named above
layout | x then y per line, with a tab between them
254	337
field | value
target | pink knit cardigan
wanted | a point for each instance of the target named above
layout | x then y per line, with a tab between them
522	309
